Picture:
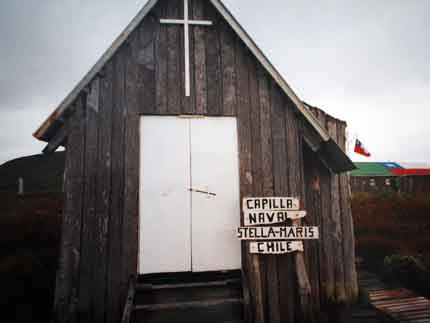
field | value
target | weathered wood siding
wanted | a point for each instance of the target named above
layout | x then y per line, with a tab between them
146	76
337	258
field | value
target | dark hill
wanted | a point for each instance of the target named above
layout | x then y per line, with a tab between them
41	173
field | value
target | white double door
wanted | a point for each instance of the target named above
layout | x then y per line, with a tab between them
189	194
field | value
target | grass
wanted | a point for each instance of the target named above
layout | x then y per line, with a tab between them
394	227
30	231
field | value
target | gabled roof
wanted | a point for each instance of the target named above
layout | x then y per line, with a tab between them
50	125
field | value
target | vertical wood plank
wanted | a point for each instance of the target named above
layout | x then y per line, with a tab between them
313	206
67	283
175	82
294	175
103	194
351	287
267	183
255	261
213	61
161	54
76	225
272	282
200	77
295	183
266	155
327	260
280	175
131	172
227	37
327	243
327	239
85	306
116	284
145	63
316	186
255	110
265	131
253	309
244	113
305	266
326	268
336	230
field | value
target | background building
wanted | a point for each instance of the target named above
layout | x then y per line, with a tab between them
390	177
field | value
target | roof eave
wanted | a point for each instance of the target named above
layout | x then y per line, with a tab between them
253	47
336	158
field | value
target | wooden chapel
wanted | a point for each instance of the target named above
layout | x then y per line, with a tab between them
181	118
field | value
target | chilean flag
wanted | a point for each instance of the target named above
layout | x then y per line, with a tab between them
359	149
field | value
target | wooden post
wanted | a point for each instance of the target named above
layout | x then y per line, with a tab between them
302	276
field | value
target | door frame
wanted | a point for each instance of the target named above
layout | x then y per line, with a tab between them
140	214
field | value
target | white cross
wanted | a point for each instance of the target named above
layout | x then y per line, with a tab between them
186	22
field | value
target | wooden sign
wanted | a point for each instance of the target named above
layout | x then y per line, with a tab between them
277	233
275	247
274	210
252	204
271	217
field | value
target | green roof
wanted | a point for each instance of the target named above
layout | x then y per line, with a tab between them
370	169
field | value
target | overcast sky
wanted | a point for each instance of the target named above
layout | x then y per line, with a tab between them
364	61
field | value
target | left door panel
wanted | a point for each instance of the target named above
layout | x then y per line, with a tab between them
165	216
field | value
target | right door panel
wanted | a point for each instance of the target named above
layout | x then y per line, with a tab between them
215	216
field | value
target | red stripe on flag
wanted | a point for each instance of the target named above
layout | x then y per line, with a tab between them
361	151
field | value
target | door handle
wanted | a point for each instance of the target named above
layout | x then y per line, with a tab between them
200	191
